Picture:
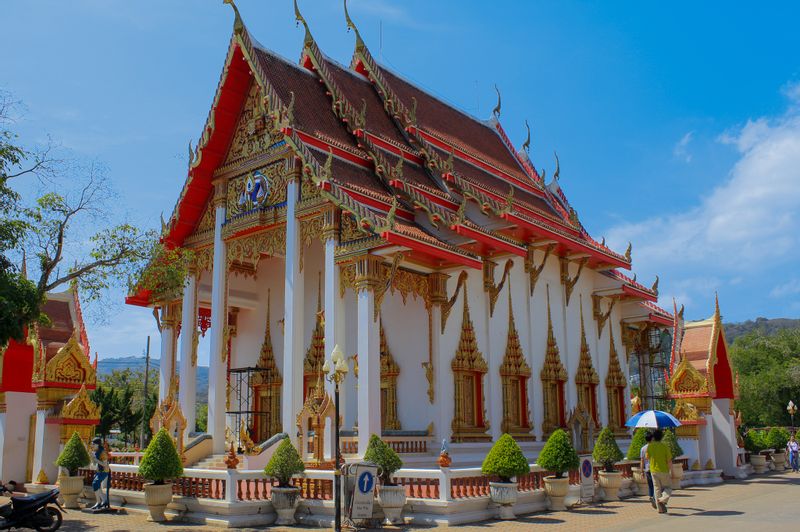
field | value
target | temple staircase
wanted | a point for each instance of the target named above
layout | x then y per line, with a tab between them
217	461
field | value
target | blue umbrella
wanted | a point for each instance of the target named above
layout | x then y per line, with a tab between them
653	419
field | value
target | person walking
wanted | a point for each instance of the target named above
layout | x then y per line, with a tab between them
793	449
660	459
644	464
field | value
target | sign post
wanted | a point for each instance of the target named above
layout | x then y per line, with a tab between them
587	479
363	491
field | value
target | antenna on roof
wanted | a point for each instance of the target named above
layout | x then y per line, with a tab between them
496	110
527	144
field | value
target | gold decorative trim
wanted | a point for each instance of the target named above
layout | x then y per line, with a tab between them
599	315
615	387
448	305
532	269
389	372
70	365
169	415
514	376
310	229
315	354
553	377
488	281
244	253
267	385
566	280
586	378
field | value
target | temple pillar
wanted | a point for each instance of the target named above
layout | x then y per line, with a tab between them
188	364
369	363
217	378
46	437
334	317
166	367
294	298
494	353
2	434
442	377
570	325
537	343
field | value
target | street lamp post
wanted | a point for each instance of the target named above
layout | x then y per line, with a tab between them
792	409
335	370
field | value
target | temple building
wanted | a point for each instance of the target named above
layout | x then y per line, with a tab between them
344	205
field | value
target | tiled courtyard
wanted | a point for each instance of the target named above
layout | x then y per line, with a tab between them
767	502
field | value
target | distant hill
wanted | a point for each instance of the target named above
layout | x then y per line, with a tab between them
767	326
106	365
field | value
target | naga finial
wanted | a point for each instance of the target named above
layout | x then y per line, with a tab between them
191	154
654	288
496	110
163	224
352	25
299	18
238	25
603	242
634	277
628	252
526	146
557	173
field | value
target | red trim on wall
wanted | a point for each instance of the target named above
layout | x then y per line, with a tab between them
429	249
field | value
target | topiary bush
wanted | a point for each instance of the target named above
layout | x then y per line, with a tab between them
379	452
606	451
754	441
637	442
505	459
671	441
777	438
74	456
161	461
284	463
558	454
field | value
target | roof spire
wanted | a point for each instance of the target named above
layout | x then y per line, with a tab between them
496	110
352	26
526	146
238	25
24	267
299	18
716	306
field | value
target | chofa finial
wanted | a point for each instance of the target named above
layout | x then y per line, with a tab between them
557	173
628	252
526	146
496	110
299	18
238	25
350	24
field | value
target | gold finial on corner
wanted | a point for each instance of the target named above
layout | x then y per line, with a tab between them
654	288
628	252
557	173
716	305
238	24
351	25
526	146
496	110
299	18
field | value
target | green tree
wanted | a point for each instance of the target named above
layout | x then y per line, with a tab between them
505	459
378	452
637	442
606	451
558	454
201	425
161	461
74	455
106	399
284	463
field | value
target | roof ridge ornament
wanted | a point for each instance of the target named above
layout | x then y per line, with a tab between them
654	288
628	252
238	24
298	17
352	26
526	146
557	173
496	110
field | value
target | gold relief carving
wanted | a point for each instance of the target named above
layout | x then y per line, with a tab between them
488	281
330	223
687	381
586	378
448	305
70	365
251	135
514	375
220	193
38	352
553	377
599	315
437	287
389	372
368	272
81	407
204	259
615	386
470	421
384	282
566	280
169	415
265	186
315	355
532	269
350	229
347	277
267	385
207	220
689	415
247	251
310	229
317	407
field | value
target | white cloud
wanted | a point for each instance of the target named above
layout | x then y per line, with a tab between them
789	288
681	149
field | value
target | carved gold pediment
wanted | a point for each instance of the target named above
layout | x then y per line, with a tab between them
686	380
685	411
69	366
81	407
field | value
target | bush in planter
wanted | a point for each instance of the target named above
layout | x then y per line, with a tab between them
284	463
754	441
380	453
606	451
161	461
74	456
637	442
558	455
505	460
671	441
777	438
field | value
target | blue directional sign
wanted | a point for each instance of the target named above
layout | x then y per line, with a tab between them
366	481
363	491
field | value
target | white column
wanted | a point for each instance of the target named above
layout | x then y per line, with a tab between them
165	367
294	296
369	363
188	368
334	321
494	356
537	349
3	441
217	381
38	445
442	379
570	326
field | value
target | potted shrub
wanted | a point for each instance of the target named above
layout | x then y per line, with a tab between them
285	497
391	497
639	477
72	457
506	461
671	441
777	438
159	465
558	456
754	442
607	453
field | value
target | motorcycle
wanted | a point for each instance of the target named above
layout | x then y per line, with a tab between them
41	511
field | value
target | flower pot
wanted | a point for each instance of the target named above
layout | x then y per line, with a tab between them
759	463
556	489
610	482
504	494
640	478
677	475
70	488
285	501
157	497
779	459
392	499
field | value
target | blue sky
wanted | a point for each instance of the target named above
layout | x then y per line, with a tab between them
677	125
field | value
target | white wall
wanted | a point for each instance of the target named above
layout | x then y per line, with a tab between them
20	406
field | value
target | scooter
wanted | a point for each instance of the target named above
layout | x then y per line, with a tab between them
41	511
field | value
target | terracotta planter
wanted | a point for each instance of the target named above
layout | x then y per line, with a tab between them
556	489
610	482
640	478
70	488
779	459
285	501
504	494
759	463
392	499
157	497
677	475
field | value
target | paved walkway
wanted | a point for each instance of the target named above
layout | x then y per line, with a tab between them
763	503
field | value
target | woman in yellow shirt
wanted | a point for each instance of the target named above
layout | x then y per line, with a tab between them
660	464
